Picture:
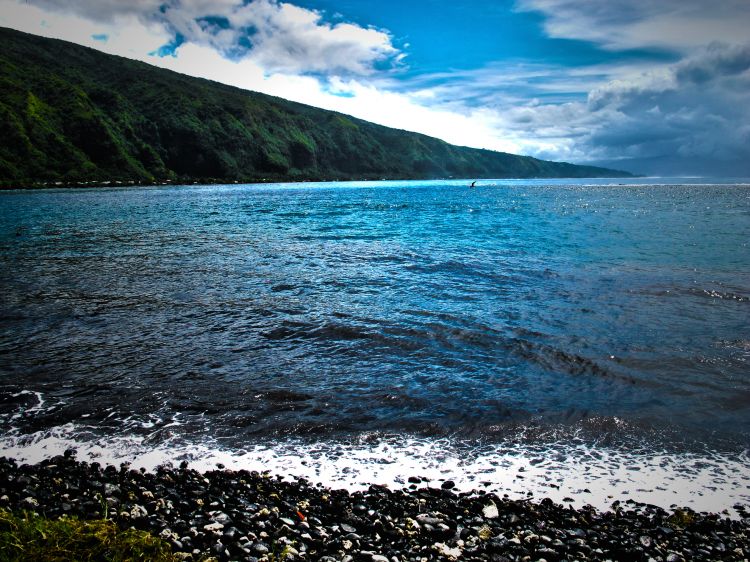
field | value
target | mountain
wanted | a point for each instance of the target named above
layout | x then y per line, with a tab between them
73	114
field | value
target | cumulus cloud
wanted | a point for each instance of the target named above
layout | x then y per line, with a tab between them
280	36
718	61
692	116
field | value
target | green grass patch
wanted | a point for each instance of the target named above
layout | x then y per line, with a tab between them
30	537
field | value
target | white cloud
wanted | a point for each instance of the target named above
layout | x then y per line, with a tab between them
293	39
277	35
126	34
682	25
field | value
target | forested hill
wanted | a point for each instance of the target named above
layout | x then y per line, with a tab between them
73	114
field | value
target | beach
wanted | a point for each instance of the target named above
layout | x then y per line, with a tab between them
241	515
566	346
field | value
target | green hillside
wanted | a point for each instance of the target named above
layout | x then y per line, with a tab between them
73	114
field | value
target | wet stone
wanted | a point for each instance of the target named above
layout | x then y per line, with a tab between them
238	515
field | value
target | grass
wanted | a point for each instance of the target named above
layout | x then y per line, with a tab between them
30	537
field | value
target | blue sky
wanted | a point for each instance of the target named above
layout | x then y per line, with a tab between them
657	88
468	34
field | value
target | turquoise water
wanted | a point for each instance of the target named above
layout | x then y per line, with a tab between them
241	312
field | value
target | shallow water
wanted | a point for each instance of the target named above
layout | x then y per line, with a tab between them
520	314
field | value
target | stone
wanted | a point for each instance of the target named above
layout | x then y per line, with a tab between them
490	511
213	527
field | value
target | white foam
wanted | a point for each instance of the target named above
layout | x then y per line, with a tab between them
36	408
584	474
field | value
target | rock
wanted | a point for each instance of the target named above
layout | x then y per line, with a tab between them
425	519
445	550
290	552
213	527
241	513
448	485
168	534
220	517
138	511
490	511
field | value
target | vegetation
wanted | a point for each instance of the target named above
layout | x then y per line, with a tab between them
73	114
30	537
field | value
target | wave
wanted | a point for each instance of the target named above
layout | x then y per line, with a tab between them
570	471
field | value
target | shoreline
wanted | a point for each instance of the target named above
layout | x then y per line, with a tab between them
129	184
254	516
572	471
34	185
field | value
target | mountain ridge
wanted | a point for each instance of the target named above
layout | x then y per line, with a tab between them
72	114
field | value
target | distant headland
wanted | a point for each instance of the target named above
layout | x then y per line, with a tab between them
71	115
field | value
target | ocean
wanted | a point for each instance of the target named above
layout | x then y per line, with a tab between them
586	340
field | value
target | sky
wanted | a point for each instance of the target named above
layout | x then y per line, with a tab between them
655	88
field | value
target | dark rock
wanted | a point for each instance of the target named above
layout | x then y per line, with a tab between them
236	515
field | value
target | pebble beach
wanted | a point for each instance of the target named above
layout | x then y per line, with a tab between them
252	516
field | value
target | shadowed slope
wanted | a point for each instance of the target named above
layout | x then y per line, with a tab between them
70	113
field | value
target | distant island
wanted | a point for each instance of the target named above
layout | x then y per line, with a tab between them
71	115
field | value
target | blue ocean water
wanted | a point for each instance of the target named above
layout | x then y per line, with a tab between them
247	312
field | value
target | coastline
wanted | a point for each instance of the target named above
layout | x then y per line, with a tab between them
249	515
34	185
228	396
570	470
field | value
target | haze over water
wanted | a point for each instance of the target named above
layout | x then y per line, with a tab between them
521	319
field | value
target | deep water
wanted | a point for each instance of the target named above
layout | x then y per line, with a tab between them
238	314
